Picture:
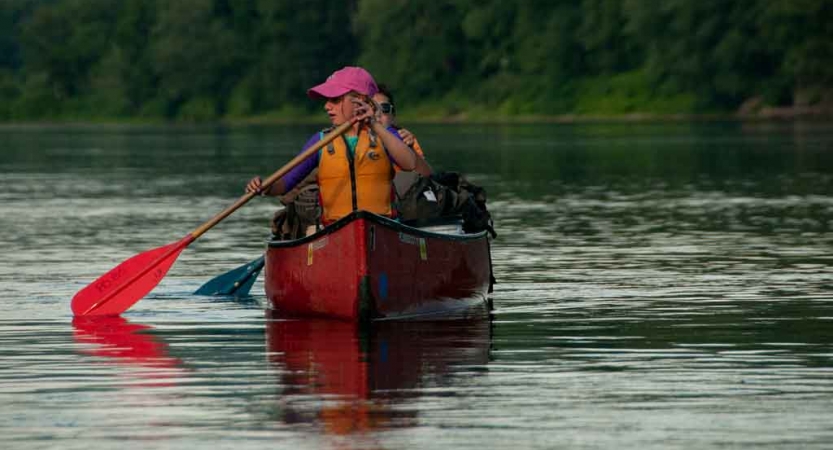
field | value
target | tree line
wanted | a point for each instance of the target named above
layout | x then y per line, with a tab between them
230	59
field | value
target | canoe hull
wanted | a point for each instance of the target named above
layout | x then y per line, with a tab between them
367	267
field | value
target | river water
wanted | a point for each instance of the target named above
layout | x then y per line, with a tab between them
664	285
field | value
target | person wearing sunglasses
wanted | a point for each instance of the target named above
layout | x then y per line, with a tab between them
355	171
386	115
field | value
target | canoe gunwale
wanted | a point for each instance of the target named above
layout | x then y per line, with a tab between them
384	221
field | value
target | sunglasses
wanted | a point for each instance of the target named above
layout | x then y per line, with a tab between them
387	108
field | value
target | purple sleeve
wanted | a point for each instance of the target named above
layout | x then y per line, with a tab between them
296	175
394	131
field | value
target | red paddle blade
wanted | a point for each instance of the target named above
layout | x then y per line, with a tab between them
117	290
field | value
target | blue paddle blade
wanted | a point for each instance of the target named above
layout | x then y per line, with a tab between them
237	282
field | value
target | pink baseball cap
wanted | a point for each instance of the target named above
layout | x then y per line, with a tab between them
343	81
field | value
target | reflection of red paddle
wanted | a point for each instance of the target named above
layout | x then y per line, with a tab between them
115	337
117	290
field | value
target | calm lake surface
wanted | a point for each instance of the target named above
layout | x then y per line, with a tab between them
659	286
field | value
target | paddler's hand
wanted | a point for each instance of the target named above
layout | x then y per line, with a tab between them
255	185
407	137
363	111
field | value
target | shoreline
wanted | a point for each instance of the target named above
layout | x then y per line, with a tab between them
769	114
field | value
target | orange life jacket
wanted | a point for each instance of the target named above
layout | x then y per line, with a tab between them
362	181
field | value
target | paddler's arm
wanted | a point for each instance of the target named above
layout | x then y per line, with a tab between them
401	154
422	166
292	178
277	188
256	185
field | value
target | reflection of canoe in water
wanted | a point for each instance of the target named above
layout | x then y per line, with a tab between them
369	267
357	374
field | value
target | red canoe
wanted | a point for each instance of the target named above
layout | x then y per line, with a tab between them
367	267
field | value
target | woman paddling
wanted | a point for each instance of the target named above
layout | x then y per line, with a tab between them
355	171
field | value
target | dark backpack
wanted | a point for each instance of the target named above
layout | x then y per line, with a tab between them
444	194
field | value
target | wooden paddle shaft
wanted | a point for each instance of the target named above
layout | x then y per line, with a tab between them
273	178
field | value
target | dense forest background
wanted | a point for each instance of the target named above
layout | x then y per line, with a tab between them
243	59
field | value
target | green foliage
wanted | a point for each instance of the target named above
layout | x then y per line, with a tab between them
65	50
801	32
12	14
198	109
131	51
295	48
200	60
36	99
606	46
9	91
108	95
711	48
195	55
627	93
415	46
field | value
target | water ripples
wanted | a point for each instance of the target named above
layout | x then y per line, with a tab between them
632	311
